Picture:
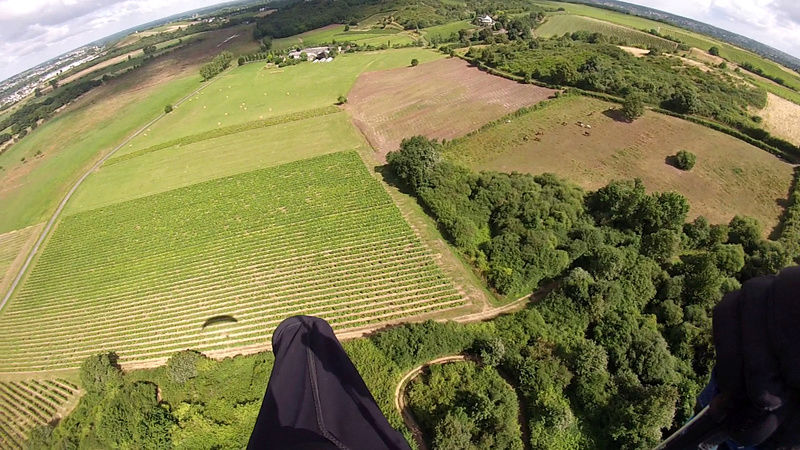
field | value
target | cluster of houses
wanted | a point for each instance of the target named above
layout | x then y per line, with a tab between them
315	54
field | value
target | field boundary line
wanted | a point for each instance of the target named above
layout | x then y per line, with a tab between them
51	222
229	130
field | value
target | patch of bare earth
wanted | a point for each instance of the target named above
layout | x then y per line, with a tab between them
782	118
442	99
635	51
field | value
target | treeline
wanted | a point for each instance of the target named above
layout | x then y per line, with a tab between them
632	301
216	66
297	17
758	71
589	61
30	113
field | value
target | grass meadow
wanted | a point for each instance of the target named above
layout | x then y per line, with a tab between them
254	92
731	177
69	142
182	165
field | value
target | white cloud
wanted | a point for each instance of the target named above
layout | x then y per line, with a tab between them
772	22
33	31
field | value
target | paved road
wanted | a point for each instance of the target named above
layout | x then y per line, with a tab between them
57	213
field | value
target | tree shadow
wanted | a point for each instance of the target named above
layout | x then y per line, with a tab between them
672	160
616	115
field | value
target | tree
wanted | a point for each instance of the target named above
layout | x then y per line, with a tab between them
347	28
241	61
167	109
633	106
685	160
714	51
54	83
182	366
149	50
415	160
266	43
414	62
100	373
341	100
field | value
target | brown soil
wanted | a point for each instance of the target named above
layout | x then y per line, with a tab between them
442	99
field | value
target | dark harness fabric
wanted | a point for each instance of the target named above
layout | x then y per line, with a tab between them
316	398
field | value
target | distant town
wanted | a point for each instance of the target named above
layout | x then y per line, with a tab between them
24	84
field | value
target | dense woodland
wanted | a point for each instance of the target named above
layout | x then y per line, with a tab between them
297	17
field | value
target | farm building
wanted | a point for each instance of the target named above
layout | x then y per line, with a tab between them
312	53
486	21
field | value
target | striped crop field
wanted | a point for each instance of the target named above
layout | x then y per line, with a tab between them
12	245
27	404
217	265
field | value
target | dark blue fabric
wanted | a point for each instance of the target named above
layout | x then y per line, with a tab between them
316	398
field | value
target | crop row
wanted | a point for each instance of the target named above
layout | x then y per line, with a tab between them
257	333
143	277
27	404
195	268
195	312
189	322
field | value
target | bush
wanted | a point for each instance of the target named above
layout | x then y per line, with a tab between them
241	61
713	51
182	366
167	109
414	62
633	107
100	373
685	160
342	100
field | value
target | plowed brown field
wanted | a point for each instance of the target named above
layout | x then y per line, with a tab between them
442	99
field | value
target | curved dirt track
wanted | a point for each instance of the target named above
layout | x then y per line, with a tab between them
400	401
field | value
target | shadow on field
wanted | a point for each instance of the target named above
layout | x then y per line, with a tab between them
219	319
672	160
616	115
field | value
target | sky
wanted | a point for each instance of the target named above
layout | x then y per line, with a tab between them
33	31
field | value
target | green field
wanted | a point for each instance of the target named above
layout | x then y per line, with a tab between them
69	142
30	403
254	92
329	34
182	165
557	25
318	236
690	38
446	30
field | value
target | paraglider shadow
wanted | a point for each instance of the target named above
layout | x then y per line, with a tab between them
217	320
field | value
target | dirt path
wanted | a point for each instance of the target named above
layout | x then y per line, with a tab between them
63	203
400	401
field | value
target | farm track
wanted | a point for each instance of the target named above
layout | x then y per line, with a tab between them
51	222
